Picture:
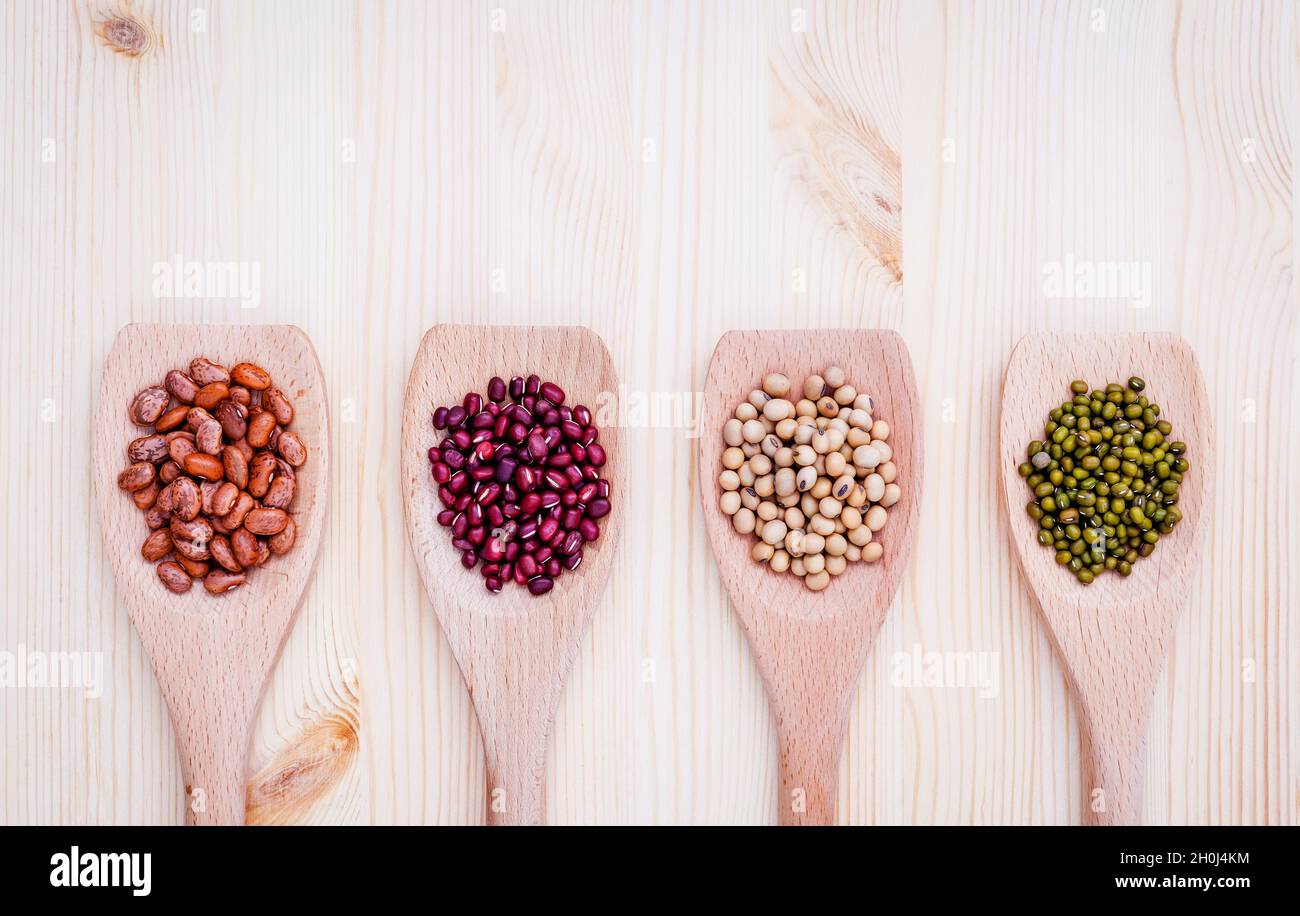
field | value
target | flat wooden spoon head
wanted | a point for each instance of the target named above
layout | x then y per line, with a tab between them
514	649
211	654
810	646
1112	635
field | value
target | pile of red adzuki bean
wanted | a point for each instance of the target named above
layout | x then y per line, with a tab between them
518	474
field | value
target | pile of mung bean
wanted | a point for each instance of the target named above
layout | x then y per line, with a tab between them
810	478
1105	479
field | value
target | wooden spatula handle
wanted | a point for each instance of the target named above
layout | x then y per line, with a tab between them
213	740
808	744
1114	755
516	773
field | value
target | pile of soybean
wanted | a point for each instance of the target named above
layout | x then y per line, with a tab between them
1105	479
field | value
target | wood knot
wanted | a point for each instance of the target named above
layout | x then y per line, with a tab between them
285	790
124	34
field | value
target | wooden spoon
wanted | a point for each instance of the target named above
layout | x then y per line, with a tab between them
514	649
810	646
211	654
1112	635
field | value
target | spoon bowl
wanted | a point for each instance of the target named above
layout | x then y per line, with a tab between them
810	646
211	653
514	649
1112	635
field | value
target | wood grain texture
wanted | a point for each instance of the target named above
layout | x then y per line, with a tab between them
1111	636
810	646
212	654
661	173
513	648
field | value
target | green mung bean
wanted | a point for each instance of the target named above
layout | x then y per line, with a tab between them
1105	478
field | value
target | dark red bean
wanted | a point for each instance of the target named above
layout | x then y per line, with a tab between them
560	460
456	416
453	459
573	560
550	498
462	439
489	494
555	479
598	508
577	452
528	530
543	555
512	551
494	515
532	385
527	565
505	470
468	559
446	517
448	498
464	501
568	499
553	437
540	585
440	418
462	544
518	432
493	584
485	451
516	386
589	529
572	543
473	403
474	515
441	472
602	488
590	435
546	530
526	479
477	536
582	415
553	567
596	454
500	426
483	420
588	492
571	429
571	518
552	392
493	550
530	504
497	388
489	569
458	482
521	414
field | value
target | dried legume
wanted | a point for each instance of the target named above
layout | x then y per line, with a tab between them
812	478
1105	479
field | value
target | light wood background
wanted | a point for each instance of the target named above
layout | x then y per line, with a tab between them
660	172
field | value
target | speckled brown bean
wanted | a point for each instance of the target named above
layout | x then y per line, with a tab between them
136	477
181	386
195	418
280	493
260	473
185	499
148	405
224	499
224	555
220	581
169	471
156	518
251	376
157	545
260	427
209	396
146	498
174	577
208	437
232	459
244	546
180	446
244	504
172	419
191	539
291	449
207	490
283	542
241	395
205	372
233	418
266	521
196	568
273	400
148	448
203	465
